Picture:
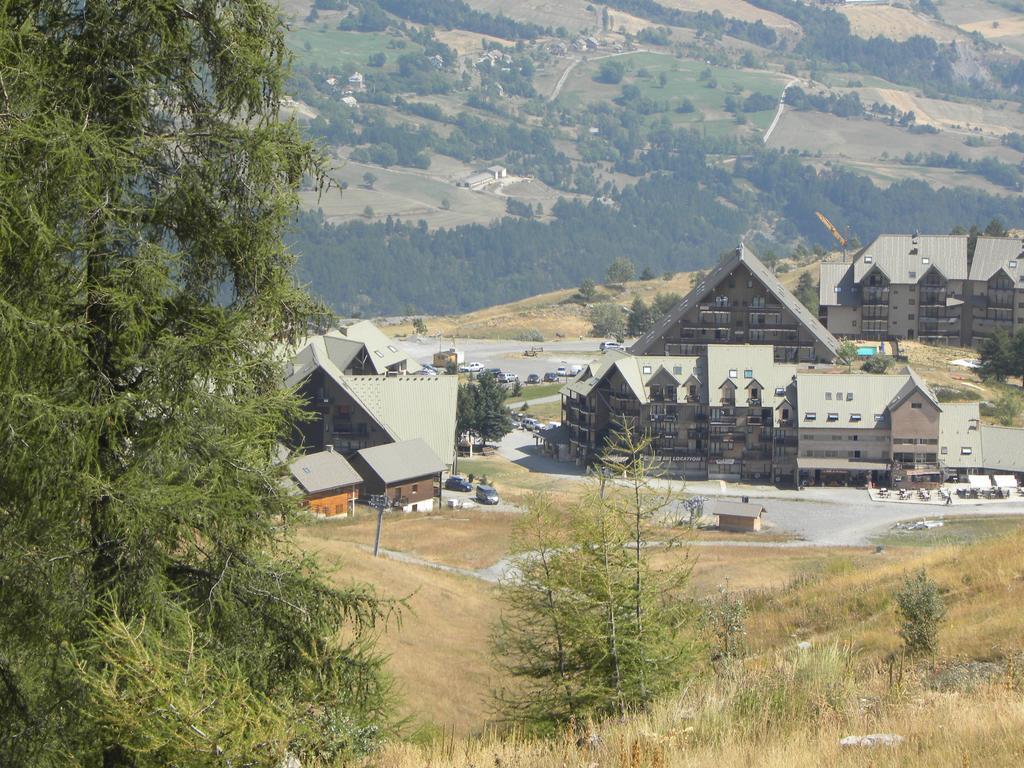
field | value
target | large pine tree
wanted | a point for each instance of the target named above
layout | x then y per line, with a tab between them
152	611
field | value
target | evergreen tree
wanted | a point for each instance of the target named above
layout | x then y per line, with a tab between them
589	628
640	319
154	611
480	409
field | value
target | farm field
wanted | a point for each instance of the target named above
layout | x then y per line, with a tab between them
683	83
330	47
737	9
571	14
406	194
889	172
895	23
995	20
863	141
995	118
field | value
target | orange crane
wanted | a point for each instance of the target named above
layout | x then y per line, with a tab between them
831	228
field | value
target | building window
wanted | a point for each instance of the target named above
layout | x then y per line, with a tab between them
910	317
879	417
732	373
854	417
415	487
785	414
913	274
1013	264
916	406
839	395
945	450
780	391
912	302
833	416
966	451
677	369
810	416
748	374
828	395
647	369
924	260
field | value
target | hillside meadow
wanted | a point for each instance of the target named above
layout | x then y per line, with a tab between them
788	706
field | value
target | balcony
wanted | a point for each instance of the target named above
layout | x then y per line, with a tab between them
724	420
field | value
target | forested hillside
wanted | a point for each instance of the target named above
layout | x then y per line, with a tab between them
672	221
638	128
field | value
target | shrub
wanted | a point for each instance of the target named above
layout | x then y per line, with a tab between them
920	610
878	364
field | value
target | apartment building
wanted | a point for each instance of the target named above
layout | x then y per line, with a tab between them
725	414
925	287
860	428
740	302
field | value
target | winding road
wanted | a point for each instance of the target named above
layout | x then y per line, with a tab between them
778	112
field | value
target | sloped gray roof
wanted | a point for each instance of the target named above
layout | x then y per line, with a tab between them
741	255
897	256
759	359
404	460
411	407
848	395
994	253
318	472
382	350
404	406
636	371
960	428
1002	448
833	275
734	508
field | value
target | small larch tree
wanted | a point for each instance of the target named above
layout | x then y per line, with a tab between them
920	610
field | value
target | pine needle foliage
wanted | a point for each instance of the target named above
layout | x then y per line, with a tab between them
153	610
590	628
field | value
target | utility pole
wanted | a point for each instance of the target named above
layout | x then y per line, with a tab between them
380	503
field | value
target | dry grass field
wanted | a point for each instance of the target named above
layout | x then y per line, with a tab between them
439	655
462	538
787	708
736	9
571	14
898	23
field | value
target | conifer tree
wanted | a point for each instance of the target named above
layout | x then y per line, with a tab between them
153	609
589	628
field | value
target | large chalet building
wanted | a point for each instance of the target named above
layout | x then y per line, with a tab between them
926	287
358	396
774	411
740	302
726	414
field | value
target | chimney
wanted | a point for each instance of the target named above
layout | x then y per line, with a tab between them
329	448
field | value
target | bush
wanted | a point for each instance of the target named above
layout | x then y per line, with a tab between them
878	364
531	334
920	610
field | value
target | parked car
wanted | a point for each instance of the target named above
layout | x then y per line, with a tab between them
456	483
528	422
575	370
471	367
608	346
427	370
550	376
534	378
495	372
561	372
486	494
508	378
